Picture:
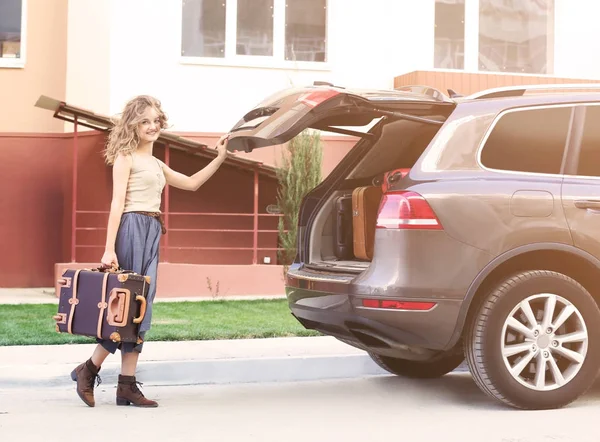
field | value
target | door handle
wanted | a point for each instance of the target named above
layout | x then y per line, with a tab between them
588	204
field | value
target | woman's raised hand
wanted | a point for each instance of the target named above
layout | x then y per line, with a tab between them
222	145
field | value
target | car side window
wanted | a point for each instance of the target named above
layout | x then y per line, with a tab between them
530	140
589	155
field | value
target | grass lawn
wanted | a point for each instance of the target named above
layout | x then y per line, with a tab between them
32	324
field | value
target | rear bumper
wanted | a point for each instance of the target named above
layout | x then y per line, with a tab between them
407	266
413	334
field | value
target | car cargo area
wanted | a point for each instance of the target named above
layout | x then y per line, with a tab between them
342	233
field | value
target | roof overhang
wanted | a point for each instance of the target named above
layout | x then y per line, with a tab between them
92	120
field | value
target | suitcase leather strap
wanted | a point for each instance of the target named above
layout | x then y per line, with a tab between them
73	301
102	305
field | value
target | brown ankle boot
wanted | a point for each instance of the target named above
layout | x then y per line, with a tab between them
128	393
85	375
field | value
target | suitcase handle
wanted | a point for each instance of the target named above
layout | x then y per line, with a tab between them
341	229
118	307
142	302
112	269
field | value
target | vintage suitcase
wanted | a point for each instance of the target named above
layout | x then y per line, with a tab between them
103	303
342	229
365	204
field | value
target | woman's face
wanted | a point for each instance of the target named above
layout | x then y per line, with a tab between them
149	126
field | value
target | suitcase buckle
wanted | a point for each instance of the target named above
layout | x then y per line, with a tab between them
60	318
64	282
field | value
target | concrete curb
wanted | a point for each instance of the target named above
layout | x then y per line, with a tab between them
195	363
177	373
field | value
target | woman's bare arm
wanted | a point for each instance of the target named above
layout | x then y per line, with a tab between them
121	170
194	182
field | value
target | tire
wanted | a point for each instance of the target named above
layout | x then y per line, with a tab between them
433	368
491	339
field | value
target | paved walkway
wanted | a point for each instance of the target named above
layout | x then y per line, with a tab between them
43	295
188	362
193	362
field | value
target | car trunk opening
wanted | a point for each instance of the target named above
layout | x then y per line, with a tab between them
403	123
340	233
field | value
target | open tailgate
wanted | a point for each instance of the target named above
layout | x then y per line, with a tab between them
285	114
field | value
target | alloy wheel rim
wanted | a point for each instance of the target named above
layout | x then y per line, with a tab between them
544	342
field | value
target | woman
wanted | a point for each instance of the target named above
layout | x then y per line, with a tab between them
135	227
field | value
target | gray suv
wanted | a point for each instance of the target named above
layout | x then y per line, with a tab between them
487	247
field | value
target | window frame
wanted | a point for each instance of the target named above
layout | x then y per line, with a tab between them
574	152
19	63
566	151
471	44
275	61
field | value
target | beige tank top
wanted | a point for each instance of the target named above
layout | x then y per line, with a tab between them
145	185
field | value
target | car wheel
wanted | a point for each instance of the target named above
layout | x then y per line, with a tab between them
535	341
432	368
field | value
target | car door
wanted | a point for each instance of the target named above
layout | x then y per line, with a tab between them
285	114
581	185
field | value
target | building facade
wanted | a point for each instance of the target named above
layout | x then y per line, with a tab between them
210	61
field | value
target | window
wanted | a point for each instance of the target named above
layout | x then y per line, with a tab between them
305	25
528	141
203	30
589	155
12	33
513	35
449	34
247	30
254	27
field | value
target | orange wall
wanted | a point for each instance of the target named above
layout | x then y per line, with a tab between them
466	84
44	72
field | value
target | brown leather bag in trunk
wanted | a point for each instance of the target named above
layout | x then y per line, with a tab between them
365	204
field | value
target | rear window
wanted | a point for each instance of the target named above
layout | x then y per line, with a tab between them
530	140
400	146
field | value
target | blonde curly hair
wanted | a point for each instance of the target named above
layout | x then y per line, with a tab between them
123	138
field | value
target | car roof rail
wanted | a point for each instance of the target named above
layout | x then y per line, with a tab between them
518	91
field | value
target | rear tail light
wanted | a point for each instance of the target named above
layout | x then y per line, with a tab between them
406	210
398	305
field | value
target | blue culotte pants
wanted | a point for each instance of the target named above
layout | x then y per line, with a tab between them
136	247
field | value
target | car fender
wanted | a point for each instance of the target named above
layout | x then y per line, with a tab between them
499	260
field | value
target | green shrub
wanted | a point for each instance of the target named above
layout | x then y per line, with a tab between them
300	172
